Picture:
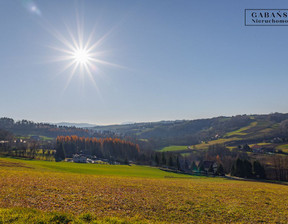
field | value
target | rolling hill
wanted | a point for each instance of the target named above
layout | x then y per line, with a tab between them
231	131
241	129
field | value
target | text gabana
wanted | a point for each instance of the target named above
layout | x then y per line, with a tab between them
269	14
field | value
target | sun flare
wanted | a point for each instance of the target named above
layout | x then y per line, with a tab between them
81	53
81	56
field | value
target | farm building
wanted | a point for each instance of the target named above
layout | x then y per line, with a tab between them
257	149
79	158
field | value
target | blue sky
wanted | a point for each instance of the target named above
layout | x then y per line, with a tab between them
183	59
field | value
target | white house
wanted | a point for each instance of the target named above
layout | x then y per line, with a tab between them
79	158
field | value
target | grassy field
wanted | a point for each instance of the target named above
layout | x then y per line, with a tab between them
261	144
284	148
173	148
199	146
49	192
241	131
215	142
42	137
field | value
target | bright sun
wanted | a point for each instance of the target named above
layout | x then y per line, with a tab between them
81	56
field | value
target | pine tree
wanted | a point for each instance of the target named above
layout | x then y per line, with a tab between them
201	167
60	152
126	161
193	166
171	163
238	168
247	148
186	164
211	170
163	161
259	170
156	160
178	163
220	170
242	168
233	170
247	169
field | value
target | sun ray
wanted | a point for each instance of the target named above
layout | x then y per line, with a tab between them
79	30
96	44
90	38
63	40
68	52
67	67
76	43
90	75
106	63
93	81
99	53
70	76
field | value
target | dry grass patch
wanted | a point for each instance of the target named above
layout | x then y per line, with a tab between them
142	199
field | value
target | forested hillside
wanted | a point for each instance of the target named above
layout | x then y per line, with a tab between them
26	128
156	135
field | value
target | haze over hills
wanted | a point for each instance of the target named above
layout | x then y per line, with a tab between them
77	125
87	125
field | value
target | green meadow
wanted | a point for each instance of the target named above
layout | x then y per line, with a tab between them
284	148
87	169
241	131
173	148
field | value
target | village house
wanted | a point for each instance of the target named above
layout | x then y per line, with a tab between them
263	149
257	149
4	142
79	158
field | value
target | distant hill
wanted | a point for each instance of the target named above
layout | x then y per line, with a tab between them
232	130
28	128
200	133
77	125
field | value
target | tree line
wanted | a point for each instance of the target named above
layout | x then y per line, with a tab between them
107	148
25	127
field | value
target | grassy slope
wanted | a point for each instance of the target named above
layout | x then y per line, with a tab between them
284	148
173	148
199	146
214	142
42	137
241	131
253	129
36	191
